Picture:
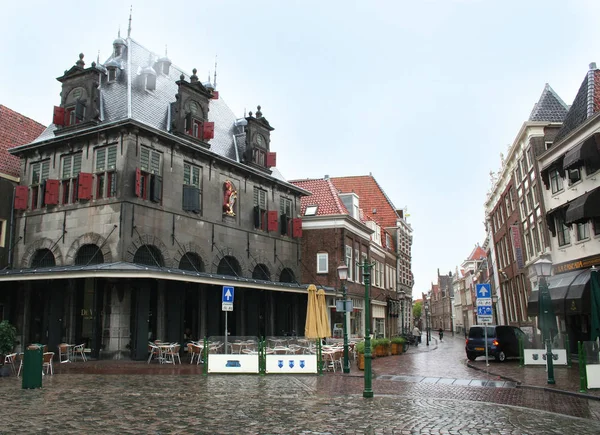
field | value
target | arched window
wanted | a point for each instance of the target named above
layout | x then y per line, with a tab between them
191	261
261	272
89	254
287	275
43	258
229	266
149	255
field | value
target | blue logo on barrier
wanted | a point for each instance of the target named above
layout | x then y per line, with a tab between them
280	363
291	363
302	364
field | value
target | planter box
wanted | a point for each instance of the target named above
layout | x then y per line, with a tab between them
361	361
396	348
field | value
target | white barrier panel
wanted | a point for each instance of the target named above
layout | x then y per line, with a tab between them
538	357
592	372
232	363
291	364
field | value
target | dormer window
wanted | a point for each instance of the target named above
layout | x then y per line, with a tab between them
150	82
117	51
195	126
112	74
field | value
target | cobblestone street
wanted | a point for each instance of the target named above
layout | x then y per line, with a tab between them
76	401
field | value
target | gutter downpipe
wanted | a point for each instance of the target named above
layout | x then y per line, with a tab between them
12	223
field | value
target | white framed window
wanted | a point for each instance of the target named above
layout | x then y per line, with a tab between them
356	265
349	262
556	181
150	174
322	262
562	231
260	209
583	231
191	175
40	172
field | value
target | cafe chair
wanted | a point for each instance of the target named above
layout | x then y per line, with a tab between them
79	350
48	356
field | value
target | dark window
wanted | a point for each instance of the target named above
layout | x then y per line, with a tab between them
39	173
596	222
583	231
574	176
192	262
229	266
261	272
43	258
149	255
105	170
562	230
260	209
287	275
556	181
89	254
150	179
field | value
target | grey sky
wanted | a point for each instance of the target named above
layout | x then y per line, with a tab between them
422	94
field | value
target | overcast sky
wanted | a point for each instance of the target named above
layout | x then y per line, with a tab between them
425	95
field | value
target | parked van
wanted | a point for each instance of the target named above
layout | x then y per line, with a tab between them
503	341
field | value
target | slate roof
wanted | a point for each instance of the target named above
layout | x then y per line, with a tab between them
550	107
15	130
324	195
125	99
372	199
586	103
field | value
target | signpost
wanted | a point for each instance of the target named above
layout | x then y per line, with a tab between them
484	311
227	305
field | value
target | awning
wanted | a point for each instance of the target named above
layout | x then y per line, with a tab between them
585	207
135	271
565	289
578	296
572	157
590	152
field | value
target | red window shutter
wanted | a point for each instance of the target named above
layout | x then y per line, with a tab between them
209	131
272	221
138	182
271	160
51	193
215	95
59	116
21	196
84	186
297	227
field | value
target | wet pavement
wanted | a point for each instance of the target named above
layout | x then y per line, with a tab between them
412	395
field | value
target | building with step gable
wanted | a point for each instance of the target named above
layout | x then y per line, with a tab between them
143	198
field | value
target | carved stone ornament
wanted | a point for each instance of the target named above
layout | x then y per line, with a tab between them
229	198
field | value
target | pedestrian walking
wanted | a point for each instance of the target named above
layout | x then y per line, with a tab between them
441	331
417	334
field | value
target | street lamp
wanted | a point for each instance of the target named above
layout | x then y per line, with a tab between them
368	391
427	322
402	309
543	269
343	275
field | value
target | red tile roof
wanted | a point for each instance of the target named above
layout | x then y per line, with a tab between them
324	195
477	254
15	130
371	197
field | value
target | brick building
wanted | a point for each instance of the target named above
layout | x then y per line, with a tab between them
15	130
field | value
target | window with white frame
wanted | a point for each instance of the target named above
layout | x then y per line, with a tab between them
562	231
192	193
39	173
71	167
349	262
106	172
260	208
556	181
322	262
356	264
583	231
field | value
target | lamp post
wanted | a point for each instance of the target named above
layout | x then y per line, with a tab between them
494	302
343	275
543	269
402	310
427	322
452	314
368	391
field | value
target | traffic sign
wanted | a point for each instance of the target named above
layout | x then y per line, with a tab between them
484	302
483	291
486	320
228	294
226	306
484	311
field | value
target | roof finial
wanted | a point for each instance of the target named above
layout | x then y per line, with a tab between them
98	58
166	50
258	112
119	32
129	28
215	80
80	63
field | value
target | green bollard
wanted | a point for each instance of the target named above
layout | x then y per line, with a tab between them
521	352
319	358
582	377
262	357
205	353
33	363
568	349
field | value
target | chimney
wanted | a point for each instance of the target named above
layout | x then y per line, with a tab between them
326	176
590	90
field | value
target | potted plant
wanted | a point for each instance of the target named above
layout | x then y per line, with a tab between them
397	344
8	336
384	346
360	352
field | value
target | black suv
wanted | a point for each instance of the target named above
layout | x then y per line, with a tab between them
503	341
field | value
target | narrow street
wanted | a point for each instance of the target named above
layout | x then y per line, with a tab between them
425	391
